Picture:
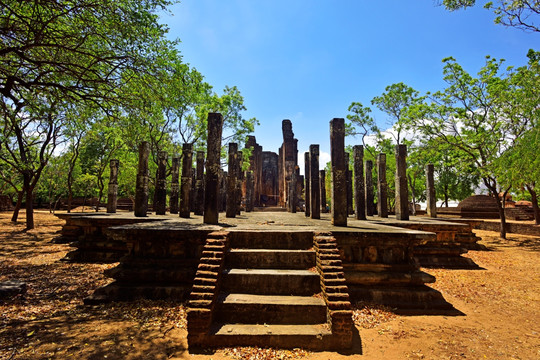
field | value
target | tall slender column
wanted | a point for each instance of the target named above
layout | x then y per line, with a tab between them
239	181
322	185
369	189
307	177
250	188
141	190
185	186
431	206
173	200
402	192
339	175
359	189
213	166
382	187
350	209
161	184
315	193
199	184
231	180
112	195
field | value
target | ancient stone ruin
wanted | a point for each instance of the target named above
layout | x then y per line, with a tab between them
263	277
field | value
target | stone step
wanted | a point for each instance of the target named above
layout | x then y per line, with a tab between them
271	259
270	309
271	281
279	336
271	240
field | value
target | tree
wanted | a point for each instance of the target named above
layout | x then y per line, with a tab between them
56	53
521	14
469	116
396	101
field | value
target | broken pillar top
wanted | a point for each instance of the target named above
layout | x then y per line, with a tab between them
286	127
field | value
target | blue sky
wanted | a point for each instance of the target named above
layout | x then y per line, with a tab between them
307	60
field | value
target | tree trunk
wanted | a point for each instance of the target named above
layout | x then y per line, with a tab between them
29	204
15	215
500	206
534	200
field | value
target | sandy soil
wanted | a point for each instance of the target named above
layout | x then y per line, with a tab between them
500	303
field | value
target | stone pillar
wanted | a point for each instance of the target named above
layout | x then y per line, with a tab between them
173	200
239	181
314	186
339	172
350	209
250	188
402	192
359	187
222	199
160	205
322	185
431	206
192	193
213	166
382	187
292	196
231	180
307	178
199	184
370	207
185	186
141	190
112	195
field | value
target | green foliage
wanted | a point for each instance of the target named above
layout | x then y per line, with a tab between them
521	14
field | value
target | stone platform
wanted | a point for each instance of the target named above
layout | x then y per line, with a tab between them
249	277
453	239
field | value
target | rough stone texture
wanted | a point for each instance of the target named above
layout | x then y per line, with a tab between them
175	186
250	188
232	177
307	192
256	167
292	198
288	159
339	172
382	187
199	185
350	206
185	186
10	288
314	185
269	195
141	187
161	184
222	199
431	206
213	166
112	197
402	191
359	187
239	182
370	206
322	186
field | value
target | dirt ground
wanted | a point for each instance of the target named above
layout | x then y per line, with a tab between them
501	306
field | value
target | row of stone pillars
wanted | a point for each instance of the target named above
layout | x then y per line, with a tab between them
206	188
363	196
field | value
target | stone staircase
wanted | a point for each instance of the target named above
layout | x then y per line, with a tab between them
268	294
